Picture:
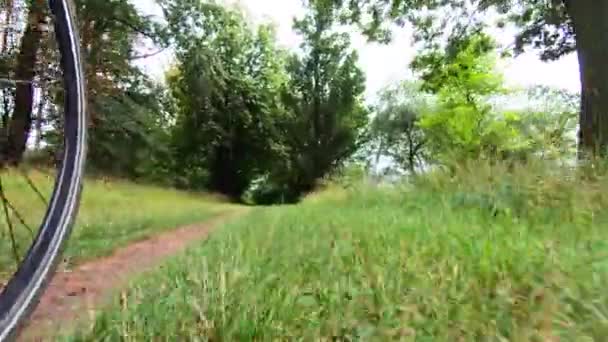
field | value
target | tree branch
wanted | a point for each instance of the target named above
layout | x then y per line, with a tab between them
147	55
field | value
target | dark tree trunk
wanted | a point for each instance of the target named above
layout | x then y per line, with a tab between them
40	119
411	152
21	120
226	177
591	28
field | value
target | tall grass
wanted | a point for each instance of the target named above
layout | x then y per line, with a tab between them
483	254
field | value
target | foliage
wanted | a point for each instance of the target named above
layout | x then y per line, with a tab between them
452	114
226	87
555	28
124	104
232	107
323	97
239	115
395	127
549	122
544	25
464	124
124	107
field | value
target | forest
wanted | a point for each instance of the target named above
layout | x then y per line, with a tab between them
240	115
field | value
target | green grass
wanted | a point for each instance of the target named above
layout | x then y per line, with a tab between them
483	256
112	214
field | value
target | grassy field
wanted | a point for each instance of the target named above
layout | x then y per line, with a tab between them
482	256
112	214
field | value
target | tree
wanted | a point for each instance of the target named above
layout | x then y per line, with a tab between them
20	61
395	126
561	27
324	99
464	124
122	109
555	27
18	123
549	122
227	86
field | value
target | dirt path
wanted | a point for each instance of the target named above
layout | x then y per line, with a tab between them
76	294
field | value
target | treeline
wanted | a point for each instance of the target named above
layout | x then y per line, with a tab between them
235	107
239	115
247	110
461	110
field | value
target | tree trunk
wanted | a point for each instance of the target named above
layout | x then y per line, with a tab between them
591	26
7	25
6	94
225	176
40	118
411	152
21	120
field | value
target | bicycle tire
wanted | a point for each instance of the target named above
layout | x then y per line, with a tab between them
22	292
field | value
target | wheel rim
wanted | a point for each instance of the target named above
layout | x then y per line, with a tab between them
35	249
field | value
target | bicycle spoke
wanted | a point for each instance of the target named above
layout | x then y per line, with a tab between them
20	218
9	223
33	186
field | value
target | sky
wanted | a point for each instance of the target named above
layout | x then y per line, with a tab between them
383	64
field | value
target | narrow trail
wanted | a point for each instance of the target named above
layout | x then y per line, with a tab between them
74	296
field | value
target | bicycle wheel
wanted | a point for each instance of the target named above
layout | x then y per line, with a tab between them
44	76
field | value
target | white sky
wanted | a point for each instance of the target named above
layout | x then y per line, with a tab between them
384	64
